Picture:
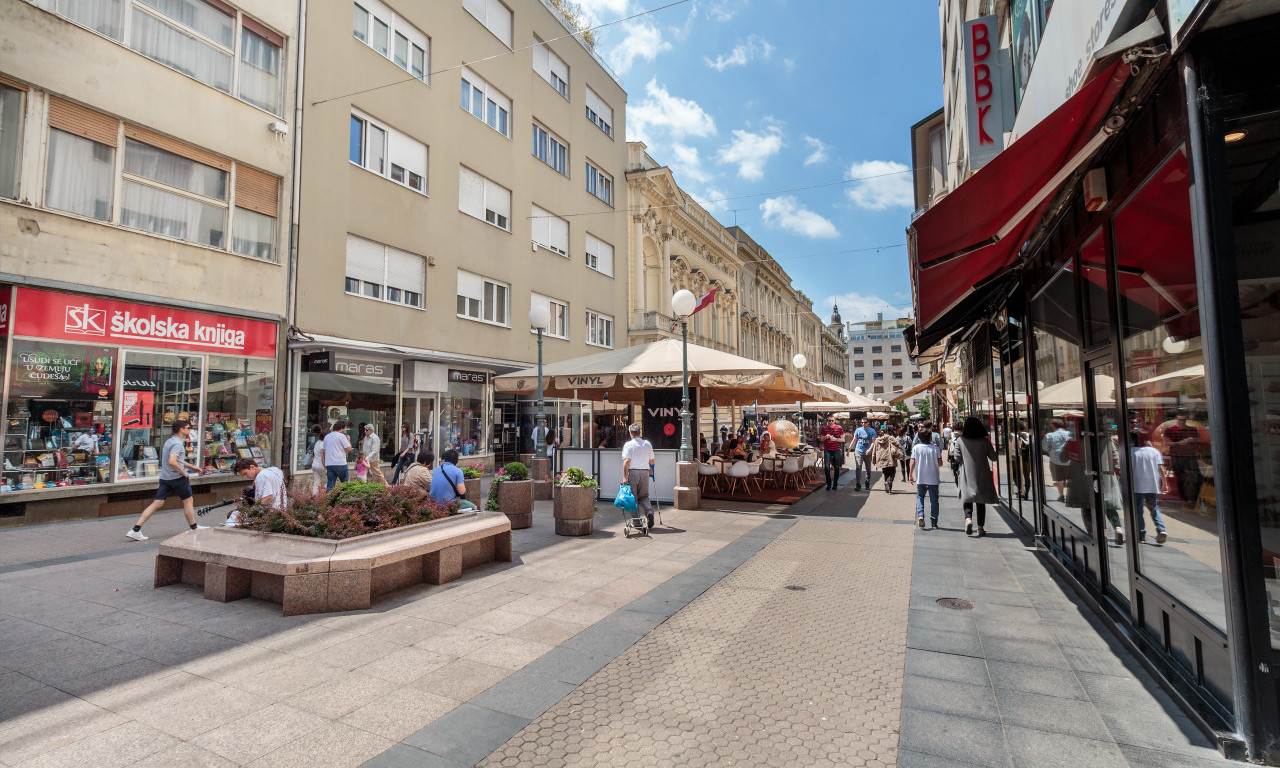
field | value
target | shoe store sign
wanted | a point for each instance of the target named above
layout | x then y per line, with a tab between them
51	315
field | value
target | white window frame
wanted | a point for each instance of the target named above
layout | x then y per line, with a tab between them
594	116
491	192
599	184
487	12
591	247
598	323
493	101
143	181
395	145
558	328
482	307
415	39
551	149
544	226
553	70
384	284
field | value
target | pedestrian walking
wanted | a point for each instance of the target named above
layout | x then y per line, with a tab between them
863	436
372	447
977	484
404	452
1054	444
1147	464
335	448
174	480
951	445
926	461
904	442
362	467
316	457
885	455
833	444
1183	441
637	463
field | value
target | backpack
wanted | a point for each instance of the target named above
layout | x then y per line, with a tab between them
954	452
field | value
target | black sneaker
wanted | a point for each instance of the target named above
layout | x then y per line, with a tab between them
649	518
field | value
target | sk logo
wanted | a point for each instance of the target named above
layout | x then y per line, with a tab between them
86	321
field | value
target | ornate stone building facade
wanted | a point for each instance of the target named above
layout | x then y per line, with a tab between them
674	243
768	317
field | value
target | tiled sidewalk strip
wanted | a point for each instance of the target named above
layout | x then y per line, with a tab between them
1028	677
471	732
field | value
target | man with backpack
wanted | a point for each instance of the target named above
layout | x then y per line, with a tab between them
448	483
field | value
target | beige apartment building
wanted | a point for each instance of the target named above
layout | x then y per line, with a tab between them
438	202
145	168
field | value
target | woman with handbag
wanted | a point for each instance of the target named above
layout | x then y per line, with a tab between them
886	453
977	484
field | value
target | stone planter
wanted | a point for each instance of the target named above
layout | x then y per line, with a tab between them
575	510
473	492
515	499
540	473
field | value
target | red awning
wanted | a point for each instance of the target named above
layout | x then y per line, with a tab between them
974	234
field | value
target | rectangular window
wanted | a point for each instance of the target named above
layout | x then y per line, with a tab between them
857	350
858	363
388	152
79	177
897	374
877	376
486	103
550	67
895	348
599	183
917	375
495	17
260	68
550	149
480	298
383	272
877	350
599	255
386	32
484	199
550	231
559	325
10	140
172	195
169	42
599	113
879	391
859	377
896	361
599	329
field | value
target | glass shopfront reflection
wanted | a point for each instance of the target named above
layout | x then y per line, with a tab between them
1172	488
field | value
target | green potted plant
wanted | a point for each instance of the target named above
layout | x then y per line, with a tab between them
512	493
471	473
575	502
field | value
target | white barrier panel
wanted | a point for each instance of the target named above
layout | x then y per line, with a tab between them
606	467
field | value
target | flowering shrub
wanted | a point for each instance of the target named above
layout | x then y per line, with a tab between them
472	471
575	476
491	502
516	471
350	509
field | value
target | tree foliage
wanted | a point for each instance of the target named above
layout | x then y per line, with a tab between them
573	13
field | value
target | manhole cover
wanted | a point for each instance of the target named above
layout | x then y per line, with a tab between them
795	588
955	603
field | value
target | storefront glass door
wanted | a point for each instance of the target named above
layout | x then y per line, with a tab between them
158	389
420	413
1107	473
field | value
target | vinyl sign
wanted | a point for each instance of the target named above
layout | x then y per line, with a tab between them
982	90
95	320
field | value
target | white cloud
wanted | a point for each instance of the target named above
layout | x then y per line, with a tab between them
661	111
856	307
687	165
742	54
789	214
750	151
643	40
818	155
789	64
723	10
714	200
884	184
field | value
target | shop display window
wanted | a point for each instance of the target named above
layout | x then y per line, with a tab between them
157	389
239	398
465	415
357	400
58	430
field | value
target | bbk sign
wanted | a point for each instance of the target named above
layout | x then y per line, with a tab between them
983	90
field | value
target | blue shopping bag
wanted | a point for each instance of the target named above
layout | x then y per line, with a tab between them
625	500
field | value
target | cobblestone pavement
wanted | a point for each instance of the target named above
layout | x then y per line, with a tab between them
795	658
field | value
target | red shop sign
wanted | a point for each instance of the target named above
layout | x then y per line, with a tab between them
4	309
50	315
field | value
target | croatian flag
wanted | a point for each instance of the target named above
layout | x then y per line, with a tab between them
705	301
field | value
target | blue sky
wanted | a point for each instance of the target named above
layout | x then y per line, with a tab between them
742	97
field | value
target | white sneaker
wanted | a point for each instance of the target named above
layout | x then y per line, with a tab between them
136	535
201	527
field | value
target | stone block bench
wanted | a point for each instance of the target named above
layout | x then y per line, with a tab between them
310	575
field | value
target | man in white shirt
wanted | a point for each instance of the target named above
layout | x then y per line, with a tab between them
926	459
268	486
86	441
1147	465
372	447
335	448
637	462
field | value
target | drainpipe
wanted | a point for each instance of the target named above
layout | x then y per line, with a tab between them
284	362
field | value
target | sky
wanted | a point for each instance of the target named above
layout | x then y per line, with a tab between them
762	97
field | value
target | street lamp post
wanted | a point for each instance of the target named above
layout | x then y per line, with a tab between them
798	361
540	318
682	303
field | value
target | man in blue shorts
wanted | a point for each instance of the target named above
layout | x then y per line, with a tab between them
173	480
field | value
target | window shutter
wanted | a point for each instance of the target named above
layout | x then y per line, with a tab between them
261	31
557	66
598	106
470	285
366	260
541	226
470	192
497	199
606	256
160	141
498	20
82	121
257	191
475	8
498	98
540	65
558	233
408	153
406	270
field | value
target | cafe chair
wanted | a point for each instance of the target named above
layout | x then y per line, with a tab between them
739	472
791	470
712	471
755	467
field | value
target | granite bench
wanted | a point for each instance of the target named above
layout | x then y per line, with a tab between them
310	575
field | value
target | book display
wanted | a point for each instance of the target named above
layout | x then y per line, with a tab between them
227	439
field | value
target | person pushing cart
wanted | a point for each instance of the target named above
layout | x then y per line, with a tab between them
637	467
